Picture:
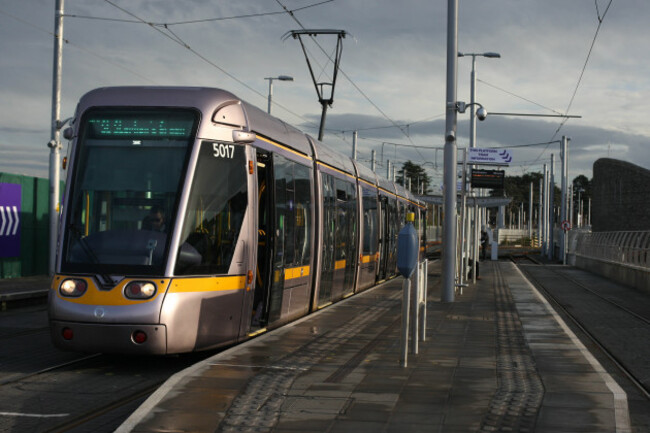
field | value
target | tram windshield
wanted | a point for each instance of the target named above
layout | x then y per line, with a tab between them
129	167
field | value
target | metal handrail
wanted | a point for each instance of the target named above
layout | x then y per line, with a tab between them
629	248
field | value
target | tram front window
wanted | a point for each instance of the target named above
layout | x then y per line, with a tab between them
128	173
215	210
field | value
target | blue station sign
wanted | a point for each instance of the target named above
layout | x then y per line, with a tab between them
10	198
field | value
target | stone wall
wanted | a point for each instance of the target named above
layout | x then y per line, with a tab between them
620	196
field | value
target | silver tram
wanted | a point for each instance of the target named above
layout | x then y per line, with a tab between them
193	220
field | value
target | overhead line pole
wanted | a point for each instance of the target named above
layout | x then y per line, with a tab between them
449	175
564	155
551	211
54	143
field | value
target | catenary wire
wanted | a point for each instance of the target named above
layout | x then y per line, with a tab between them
79	47
367	98
582	73
176	39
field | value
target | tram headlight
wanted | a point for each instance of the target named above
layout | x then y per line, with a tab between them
73	288
140	290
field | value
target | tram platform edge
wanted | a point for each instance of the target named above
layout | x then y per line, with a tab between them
497	359
24	289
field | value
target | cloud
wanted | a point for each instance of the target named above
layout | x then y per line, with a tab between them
395	54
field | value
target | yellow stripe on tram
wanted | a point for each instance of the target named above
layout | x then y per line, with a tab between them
214	284
301	271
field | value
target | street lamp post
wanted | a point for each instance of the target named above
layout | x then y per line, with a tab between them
472	117
473	245
279	77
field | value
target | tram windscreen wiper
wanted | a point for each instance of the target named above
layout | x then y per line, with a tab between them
81	240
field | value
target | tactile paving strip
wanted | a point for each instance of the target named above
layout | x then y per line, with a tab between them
258	408
518	398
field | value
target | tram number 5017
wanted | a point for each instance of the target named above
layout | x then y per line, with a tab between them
223	150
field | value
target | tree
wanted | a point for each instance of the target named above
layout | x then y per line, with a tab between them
581	193
419	177
518	188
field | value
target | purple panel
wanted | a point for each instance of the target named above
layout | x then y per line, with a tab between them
10	220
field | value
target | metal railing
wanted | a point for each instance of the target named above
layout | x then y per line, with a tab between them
629	248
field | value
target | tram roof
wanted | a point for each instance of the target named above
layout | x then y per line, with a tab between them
275	129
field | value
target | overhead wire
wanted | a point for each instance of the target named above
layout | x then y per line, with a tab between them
518	96
367	98
168	33
165	30
80	48
203	20
582	73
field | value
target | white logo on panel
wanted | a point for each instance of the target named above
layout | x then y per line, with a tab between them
7	221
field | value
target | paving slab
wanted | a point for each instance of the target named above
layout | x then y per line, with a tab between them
496	359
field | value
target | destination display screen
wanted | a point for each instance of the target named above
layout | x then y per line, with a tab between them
488	178
158	125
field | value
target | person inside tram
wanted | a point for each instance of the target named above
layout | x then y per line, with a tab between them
155	220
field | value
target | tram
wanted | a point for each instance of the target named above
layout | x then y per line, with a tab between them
192	220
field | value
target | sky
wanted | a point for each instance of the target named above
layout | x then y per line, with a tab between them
587	58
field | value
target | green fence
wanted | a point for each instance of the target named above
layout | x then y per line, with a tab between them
29	256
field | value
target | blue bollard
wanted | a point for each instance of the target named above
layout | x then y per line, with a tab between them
408	248
408	251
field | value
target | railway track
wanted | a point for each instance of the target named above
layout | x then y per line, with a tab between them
585	307
45	390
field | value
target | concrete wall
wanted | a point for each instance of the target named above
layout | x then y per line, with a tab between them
636	277
620	196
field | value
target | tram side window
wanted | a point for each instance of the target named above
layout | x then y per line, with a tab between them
346	199
215	210
293	211
370	229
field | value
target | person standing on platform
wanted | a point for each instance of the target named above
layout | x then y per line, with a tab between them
484	242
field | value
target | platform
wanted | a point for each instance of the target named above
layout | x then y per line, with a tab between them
496	359
24	289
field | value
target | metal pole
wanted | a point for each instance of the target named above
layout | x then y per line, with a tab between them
406	291
321	129
571	204
449	172
545	213
54	144
268	110
530	214
551	213
463	222
472	114
423	300
547	197
476	242
415	301
472	144
563	208
540	213
373	163
354	145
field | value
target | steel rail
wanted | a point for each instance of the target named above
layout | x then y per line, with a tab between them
626	372
48	369
93	414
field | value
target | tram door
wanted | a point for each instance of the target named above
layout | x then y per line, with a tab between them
265	241
384	235
284	240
